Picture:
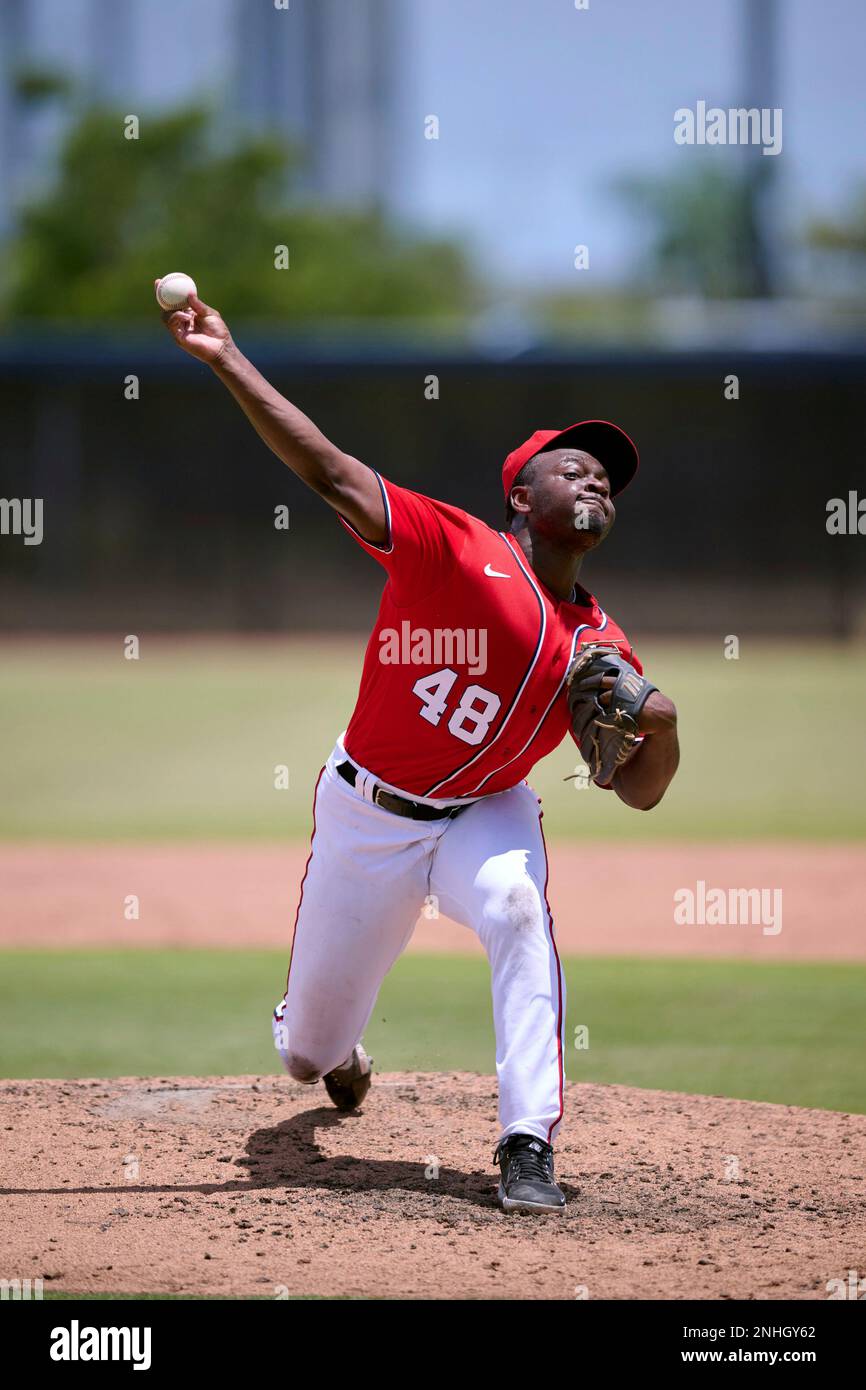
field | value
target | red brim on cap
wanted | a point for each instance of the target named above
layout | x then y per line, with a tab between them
613	448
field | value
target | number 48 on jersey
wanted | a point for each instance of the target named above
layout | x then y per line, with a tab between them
466	722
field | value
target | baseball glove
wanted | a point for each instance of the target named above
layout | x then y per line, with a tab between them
606	735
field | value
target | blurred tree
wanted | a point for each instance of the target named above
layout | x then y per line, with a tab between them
704	236
38	85
122	211
847	233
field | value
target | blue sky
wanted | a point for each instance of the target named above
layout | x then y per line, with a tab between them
540	105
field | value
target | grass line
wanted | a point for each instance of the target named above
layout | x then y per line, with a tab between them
793	1033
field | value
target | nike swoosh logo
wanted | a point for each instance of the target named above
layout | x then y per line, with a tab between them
494	574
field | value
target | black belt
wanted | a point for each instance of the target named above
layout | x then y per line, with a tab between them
400	805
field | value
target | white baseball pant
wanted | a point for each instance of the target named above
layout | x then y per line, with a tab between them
365	884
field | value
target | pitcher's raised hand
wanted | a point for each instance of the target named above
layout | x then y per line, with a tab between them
198	329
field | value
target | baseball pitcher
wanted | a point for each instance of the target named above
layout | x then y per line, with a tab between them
486	653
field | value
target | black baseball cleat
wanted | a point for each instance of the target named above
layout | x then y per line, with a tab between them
526	1164
347	1086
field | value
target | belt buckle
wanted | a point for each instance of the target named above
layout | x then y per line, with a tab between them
377	792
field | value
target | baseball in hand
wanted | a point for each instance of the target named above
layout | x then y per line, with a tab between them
173	290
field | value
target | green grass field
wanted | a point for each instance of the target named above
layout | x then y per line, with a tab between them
787	1033
183	743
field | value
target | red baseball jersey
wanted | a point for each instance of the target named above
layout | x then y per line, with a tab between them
463	687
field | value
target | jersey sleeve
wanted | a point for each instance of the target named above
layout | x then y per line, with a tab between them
422	545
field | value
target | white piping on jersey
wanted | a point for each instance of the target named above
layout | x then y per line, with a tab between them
583	627
383	549
516	701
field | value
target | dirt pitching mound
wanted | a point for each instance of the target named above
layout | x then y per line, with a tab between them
252	1185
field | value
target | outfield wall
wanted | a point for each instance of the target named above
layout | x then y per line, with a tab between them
159	510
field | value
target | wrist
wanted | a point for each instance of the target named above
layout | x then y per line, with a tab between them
228	359
658	716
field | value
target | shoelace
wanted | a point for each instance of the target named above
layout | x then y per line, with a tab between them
526	1162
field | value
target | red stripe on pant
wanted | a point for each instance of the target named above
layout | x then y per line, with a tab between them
559	1019
303	881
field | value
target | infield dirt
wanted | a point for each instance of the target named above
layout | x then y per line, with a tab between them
253	1185
611	900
